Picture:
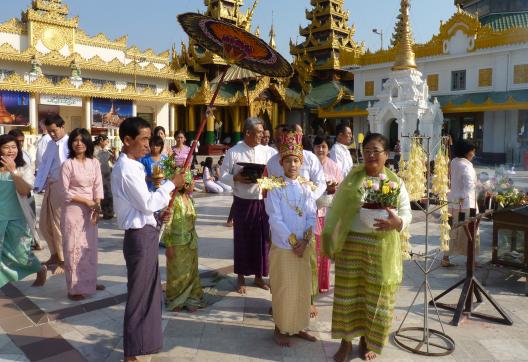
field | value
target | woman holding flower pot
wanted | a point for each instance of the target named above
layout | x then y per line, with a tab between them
362	234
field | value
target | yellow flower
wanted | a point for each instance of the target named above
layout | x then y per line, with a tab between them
369	184
385	189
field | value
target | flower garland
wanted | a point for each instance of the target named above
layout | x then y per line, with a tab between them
414	174
440	187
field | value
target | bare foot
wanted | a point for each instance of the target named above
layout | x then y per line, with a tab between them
313	311
446	263
131	359
270	311
76	297
229	223
344	352
364	352
241	284
100	287
304	335
42	275
53	260
281	339
259	282
59	269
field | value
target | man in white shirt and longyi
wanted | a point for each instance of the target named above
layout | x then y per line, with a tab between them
340	153
135	207
49	179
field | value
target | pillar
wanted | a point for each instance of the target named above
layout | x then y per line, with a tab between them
33	114
134	109
172	119
237	125
283	115
191	123
210	127
87	118
275	116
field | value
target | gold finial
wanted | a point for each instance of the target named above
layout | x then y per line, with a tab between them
405	58
249	15
272	42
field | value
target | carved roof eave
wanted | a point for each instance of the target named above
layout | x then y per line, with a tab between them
330	25
203	98
13	26
101	40
485	37
42	85
50	18
7	52
325	12
60	8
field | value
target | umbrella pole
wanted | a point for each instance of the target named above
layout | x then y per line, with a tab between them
187	163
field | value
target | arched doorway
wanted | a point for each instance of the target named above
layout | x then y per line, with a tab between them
393	132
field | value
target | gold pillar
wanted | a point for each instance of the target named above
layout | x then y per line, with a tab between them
275	116
191	126
283	115
211	120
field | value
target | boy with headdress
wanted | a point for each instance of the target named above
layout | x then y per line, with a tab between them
291	208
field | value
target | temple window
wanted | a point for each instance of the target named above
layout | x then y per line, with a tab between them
520	73
432	82
369	88
485	77
458	80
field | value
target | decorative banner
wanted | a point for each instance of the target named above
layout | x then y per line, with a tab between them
109	113
14	108
54	100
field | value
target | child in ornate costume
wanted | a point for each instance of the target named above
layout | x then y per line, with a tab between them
291	208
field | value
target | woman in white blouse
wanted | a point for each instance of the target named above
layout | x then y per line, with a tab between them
462	197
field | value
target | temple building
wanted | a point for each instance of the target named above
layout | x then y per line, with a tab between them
243	94
49	64
475	68
319	79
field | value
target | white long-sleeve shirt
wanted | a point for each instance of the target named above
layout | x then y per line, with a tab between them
42	144
311	169
341	155
463	184
54	156
283	218
241	152
134	204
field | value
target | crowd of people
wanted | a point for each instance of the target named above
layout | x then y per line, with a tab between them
295	208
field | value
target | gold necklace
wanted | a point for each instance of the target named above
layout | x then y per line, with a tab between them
296	208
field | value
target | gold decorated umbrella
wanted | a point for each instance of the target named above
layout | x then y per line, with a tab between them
235	73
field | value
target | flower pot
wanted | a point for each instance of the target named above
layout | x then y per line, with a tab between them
368	216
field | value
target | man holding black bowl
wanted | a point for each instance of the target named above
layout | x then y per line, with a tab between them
243	165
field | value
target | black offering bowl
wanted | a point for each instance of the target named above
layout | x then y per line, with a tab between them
253	171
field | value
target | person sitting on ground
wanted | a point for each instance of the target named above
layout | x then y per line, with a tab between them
292	212
212	184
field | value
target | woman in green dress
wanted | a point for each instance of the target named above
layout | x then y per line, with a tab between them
183	288
368	261
17	221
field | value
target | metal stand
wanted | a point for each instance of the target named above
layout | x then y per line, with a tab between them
471	286
424	340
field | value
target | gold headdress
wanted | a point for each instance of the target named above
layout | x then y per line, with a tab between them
291	145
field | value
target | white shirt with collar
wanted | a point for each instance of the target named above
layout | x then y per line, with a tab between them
340	154
311	169
134	204
284	220
54	156
241	152
42	144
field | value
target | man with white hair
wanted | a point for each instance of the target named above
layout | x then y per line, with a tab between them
251	228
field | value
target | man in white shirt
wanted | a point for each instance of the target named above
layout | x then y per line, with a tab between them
311	168
251	228
135	207
42	144
265	143
340	153
49	179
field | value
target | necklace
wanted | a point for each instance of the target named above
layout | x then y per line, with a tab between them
296	207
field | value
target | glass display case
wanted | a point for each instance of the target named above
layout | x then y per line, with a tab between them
510	237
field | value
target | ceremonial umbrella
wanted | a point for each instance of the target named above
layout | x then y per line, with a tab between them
237	47
235	73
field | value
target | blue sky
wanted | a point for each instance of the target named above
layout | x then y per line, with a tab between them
152	24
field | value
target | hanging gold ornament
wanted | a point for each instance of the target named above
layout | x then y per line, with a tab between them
440	187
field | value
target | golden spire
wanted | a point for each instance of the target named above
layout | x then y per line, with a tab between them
249	15
405	58
272	42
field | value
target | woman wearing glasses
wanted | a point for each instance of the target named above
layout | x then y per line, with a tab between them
368	262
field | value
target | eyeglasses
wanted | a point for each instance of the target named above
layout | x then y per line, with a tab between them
371	152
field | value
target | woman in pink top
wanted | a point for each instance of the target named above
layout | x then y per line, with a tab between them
180	149
83	189
334	177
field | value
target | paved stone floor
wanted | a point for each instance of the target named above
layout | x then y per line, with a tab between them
41	324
